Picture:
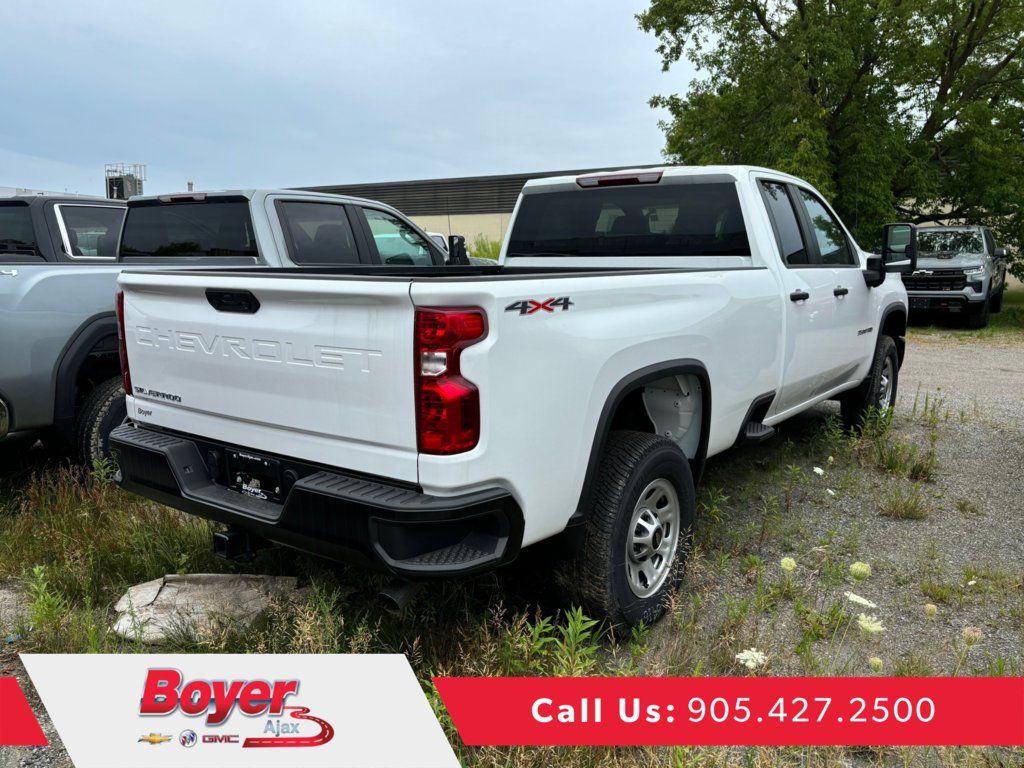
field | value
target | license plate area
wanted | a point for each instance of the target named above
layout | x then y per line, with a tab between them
254	476
918	302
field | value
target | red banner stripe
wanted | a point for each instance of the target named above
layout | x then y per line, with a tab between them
18	726
736	711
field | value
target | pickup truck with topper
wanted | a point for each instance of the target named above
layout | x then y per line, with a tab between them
433	423
59	261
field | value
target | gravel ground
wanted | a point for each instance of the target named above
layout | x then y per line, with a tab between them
980	384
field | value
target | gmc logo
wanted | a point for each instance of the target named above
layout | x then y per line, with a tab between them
218	738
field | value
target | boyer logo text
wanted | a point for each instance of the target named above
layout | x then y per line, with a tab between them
166	693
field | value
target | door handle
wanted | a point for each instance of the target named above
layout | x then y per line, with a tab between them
840	291
799	295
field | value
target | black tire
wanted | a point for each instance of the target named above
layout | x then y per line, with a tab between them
103	410
877	391
997	301
601	574
977	317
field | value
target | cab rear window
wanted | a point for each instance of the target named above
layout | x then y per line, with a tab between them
666	220
217	227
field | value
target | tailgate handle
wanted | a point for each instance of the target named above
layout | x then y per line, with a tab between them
242	302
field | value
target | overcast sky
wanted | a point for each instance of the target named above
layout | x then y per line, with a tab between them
265	94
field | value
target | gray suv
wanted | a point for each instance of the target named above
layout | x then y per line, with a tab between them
959	271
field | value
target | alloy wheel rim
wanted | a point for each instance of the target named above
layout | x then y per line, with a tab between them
885	384
653	537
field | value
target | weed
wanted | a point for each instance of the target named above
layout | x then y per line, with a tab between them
967	507
915	664
577	642
95	539
937	591
905	506
46	608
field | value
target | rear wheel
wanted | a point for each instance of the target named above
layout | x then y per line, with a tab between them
878	391
638	532
102	411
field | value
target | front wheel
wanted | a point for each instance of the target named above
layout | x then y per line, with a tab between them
638	533
878	391
978	316
997	301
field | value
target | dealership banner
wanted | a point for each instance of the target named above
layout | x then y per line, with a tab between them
224	710
736	711
18	726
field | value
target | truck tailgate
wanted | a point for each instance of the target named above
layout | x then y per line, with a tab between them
320	370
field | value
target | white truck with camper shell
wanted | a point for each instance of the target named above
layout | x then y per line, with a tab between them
434	422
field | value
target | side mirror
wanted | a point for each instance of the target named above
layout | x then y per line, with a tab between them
899	248
1000	253
874	274
457	251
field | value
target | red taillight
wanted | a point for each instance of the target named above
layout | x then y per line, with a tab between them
122	345
447	405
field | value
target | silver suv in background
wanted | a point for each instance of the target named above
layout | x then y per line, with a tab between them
959	271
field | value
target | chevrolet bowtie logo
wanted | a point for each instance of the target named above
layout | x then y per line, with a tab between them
155	738
923	272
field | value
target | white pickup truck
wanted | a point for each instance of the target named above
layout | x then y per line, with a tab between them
434	422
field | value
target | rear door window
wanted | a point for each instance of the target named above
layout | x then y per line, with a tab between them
217	227
90	231
318	233
398	243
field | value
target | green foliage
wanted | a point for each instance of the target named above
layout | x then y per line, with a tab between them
485	248
905	506
893	110
94	538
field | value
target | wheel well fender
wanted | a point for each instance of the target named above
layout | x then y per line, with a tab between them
93	336
894	325
622	410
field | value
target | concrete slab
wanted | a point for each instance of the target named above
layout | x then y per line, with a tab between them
195	604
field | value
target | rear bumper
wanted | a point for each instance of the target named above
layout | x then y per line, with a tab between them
351	519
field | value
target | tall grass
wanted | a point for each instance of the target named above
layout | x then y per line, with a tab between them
95	539
76	542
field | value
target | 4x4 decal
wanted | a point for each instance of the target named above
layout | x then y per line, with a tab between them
529	306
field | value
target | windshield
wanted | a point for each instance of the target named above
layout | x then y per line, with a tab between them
950	242
644	220
217	227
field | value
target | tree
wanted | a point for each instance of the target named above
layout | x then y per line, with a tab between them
894	109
